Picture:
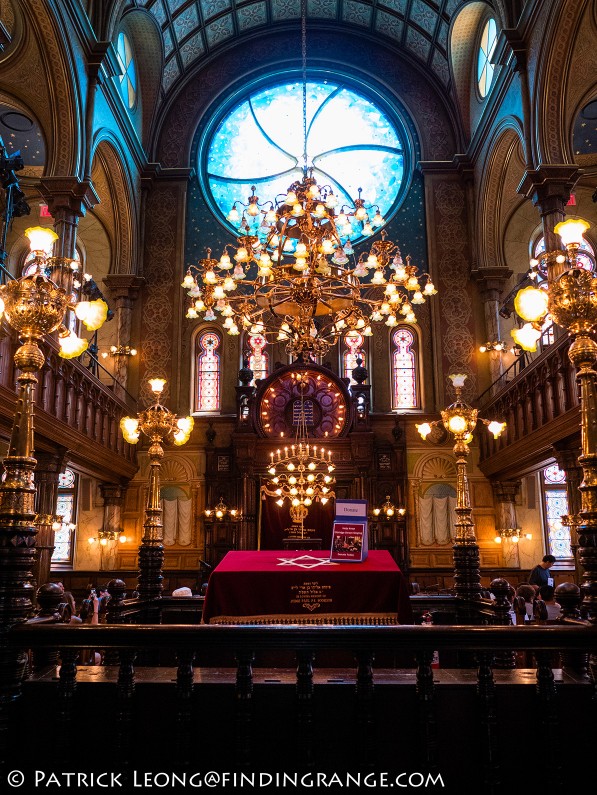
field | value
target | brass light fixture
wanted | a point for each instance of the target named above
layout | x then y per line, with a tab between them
105	536
388	509
161	427
293	275
461	420
571	300
513	534
120	350
300	473
221	511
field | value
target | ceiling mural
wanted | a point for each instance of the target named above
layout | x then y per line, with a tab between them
192	29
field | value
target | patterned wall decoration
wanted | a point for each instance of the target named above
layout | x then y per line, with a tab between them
434	127
455	291
419	25
161	225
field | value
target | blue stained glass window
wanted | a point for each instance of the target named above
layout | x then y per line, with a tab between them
556	506
485	68
351	144
128	78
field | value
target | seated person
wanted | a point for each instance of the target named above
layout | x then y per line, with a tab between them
547	594
523	603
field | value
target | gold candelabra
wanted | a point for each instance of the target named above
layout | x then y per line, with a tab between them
461	420
513	534
161	427
300	473
33	306
570	298
388	509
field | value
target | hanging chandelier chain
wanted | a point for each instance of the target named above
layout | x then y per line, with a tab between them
304	65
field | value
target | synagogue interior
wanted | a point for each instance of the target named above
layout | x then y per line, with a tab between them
298	385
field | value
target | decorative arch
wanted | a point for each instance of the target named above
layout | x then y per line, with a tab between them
177	469
116	209
552	85
502	172
434	498
463	53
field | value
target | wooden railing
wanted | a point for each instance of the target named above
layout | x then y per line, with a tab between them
540	406
173	726
73	406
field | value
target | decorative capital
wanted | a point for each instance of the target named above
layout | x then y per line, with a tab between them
549	186
124	285
491	281
68	193
506	490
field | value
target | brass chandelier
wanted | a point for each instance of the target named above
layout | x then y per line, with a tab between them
300	473
293	275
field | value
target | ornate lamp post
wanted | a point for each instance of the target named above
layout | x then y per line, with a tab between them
161	427
461	420
33	306
571	300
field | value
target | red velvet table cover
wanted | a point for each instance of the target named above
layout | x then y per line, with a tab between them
271	583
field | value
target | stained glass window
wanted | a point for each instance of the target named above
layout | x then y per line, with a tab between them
404	370
354	348
351	143
66	510
485	68
208	372
128	77
258	357
556	506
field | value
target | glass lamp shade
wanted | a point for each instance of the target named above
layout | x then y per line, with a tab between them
531	304
157	385
458	379
92	313
526	337
571	231
71	346
496	428
457	423
424	429
41	238
130	429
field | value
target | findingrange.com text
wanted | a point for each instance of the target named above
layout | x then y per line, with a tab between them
41	779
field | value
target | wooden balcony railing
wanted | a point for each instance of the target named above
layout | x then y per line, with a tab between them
73	407
240	718
540	406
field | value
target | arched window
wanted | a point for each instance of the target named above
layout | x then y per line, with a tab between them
485	68
404	369
556	506
353	142
128	78
258	357
354	348
208	371
66	509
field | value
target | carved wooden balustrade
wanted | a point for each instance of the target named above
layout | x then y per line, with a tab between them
540	406
73	407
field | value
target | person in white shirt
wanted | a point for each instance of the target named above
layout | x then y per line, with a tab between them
547	593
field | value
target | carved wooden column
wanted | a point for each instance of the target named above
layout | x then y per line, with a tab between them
48	468
124	289
505	494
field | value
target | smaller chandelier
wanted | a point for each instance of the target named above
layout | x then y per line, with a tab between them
459	418
157	422
221	511
301	474
388	509
120	350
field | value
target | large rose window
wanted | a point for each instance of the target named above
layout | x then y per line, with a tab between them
351	144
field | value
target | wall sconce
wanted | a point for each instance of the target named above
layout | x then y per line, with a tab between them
103	536
222	511
119	350
388	509
513	534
